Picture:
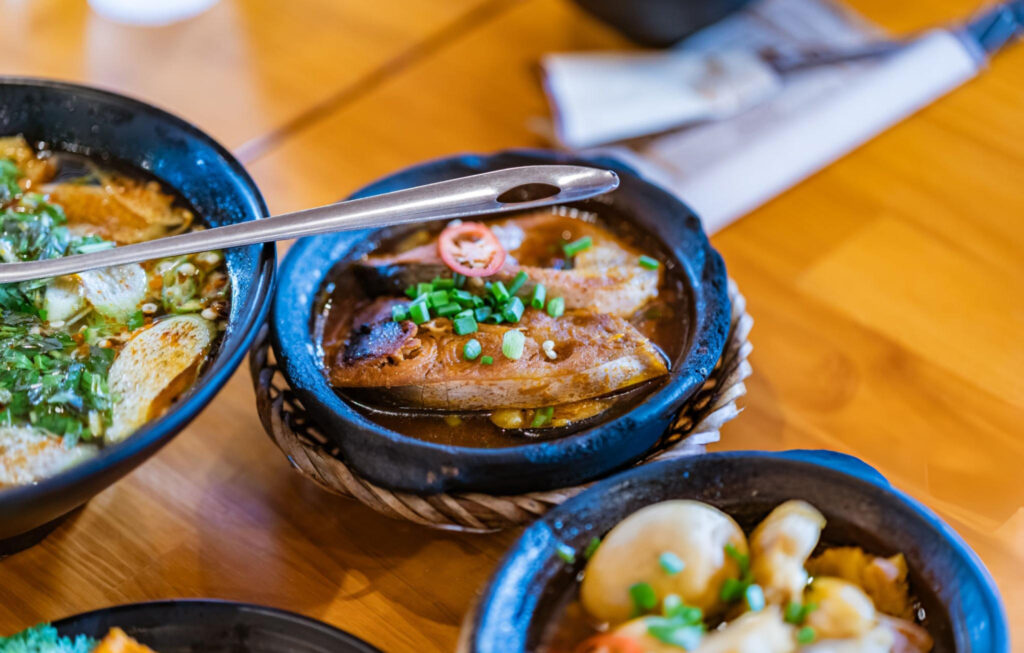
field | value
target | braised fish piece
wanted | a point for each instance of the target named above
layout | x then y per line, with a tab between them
424	365
604	278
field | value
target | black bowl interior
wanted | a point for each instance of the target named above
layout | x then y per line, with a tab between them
134	134
203	626
405	463
660	23
963	609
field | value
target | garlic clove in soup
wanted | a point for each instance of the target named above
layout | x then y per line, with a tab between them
693	532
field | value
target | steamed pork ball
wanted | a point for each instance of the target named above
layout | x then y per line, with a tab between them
694	533
780	546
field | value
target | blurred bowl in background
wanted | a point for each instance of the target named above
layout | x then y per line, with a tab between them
660	23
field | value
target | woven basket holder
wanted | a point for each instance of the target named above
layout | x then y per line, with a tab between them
312	454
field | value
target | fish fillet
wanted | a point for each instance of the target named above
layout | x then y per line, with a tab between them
424	365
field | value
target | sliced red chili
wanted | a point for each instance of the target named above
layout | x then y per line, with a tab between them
471	249
609	643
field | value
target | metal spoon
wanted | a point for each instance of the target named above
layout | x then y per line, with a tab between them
513	189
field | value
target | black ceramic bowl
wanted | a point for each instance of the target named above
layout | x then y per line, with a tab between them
204	626
405	463
660	23
123	130
964	613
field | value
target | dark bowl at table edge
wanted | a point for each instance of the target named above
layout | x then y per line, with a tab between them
124	130
153	623
404	463
531	576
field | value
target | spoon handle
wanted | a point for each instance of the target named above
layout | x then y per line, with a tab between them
512	189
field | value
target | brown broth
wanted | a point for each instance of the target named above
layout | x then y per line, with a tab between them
664	320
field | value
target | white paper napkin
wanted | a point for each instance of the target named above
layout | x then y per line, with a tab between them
725	168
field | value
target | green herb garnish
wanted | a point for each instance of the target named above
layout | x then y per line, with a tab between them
512	344
805	635
577	246
542	416
556	307
566	553
592	546
513	310
471	349
644	598
517	282
537	300
648	262
671	563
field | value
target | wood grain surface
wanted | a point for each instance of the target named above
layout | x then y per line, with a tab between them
886	292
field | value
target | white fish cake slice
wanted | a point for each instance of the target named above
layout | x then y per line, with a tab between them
153	368
28	454
115	292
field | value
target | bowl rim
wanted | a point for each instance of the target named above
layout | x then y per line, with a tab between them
298	362
279	614
155	433
506	576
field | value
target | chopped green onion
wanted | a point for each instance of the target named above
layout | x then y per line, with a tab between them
499	291
460	280
495	318
671	604
805	635
478	302
410	292
577	246
566	553
644	598
742	559
539	291
513	310
419	313
467	312
732	590
424	289
463	297
556	307
591	547
671	563
471	349
448	310
796	613
399	313
443	284
648	262
464	325
512	344
755	598
437	298
482	313
518	282
542	416
486	360
670	631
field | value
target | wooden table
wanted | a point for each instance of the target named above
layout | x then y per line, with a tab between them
887	294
